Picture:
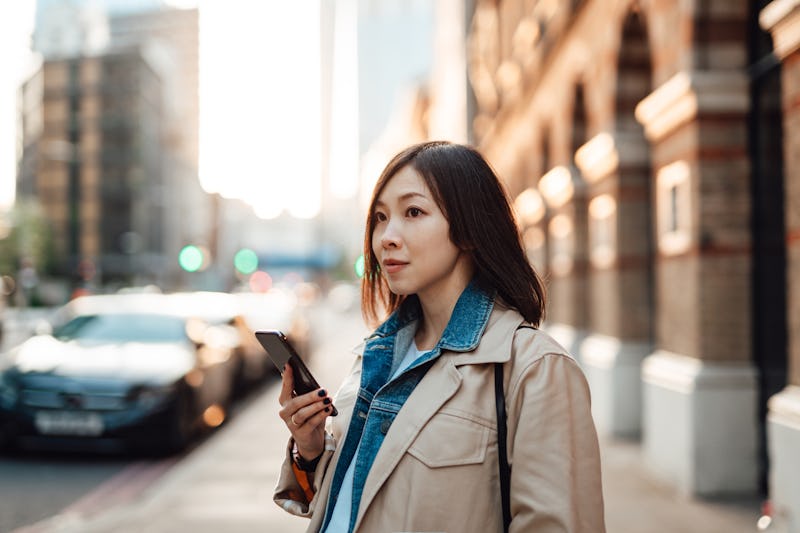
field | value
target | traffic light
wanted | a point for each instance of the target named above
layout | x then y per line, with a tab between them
245	261
193	258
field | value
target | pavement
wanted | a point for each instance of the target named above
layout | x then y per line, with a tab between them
226	483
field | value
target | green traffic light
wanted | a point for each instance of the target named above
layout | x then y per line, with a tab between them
359	266
245	261
190	258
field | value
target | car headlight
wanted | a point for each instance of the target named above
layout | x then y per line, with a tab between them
150	397
8	392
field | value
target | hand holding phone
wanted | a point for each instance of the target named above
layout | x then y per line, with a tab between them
281	353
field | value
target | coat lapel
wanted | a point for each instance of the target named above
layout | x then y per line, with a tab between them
438	386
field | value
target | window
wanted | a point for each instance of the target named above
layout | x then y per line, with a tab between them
673	204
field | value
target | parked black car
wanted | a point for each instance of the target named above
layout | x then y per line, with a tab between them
117	372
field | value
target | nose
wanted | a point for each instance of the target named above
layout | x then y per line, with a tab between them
390	237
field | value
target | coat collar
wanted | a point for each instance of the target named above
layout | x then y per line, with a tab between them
498	335
480	310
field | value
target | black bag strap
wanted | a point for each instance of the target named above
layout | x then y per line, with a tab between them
505	469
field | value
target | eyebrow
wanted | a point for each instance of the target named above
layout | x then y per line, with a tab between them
403	197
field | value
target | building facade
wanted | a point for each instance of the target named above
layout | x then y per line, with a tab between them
91	156
651	148
109	141
171	40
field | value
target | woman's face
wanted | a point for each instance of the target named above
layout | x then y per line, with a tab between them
411	240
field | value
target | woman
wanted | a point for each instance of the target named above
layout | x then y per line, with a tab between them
415	447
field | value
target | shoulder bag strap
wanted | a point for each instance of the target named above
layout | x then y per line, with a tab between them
505	470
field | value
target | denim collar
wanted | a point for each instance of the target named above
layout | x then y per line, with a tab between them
465	327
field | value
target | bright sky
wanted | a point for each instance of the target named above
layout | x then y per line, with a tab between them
259	100
260	103
16	23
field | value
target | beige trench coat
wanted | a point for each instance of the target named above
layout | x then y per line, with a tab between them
437	469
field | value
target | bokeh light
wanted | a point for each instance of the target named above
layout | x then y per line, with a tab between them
191	258
260	281
359	266
245	261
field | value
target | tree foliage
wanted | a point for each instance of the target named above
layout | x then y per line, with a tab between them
25	239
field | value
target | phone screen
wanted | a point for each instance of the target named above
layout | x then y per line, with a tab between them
281	352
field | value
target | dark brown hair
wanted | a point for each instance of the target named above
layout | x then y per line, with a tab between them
481	221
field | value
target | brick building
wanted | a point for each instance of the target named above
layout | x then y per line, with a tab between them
91	156
652	148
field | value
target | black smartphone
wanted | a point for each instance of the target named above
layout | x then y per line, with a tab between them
281	352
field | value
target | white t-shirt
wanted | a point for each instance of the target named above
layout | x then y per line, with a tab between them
340	519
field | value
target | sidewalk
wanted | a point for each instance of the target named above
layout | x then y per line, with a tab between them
637	503
226	483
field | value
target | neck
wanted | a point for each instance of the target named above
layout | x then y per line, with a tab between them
437	307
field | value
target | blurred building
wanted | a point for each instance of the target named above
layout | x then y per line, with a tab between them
191	216
92	157
376	58
651	149
109	139
439	105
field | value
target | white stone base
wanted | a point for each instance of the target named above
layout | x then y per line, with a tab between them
613	369
783	437
700	424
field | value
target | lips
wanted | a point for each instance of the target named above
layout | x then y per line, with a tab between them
391	266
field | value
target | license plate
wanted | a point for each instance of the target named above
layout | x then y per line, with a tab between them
69	423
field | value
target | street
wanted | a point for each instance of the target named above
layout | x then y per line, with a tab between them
35	486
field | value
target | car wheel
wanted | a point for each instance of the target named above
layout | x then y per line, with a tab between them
7	443
181	429
240	383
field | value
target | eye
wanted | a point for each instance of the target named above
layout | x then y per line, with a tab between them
378	216
413	212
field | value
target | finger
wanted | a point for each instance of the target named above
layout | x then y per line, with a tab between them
308	413
319	417
287	384
305	400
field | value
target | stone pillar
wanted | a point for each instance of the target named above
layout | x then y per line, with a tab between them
618	280
699	386
568	307
782	19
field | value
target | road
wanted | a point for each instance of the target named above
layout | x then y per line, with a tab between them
35	486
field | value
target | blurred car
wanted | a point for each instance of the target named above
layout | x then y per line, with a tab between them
250	363
117	372
277	309
245	313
